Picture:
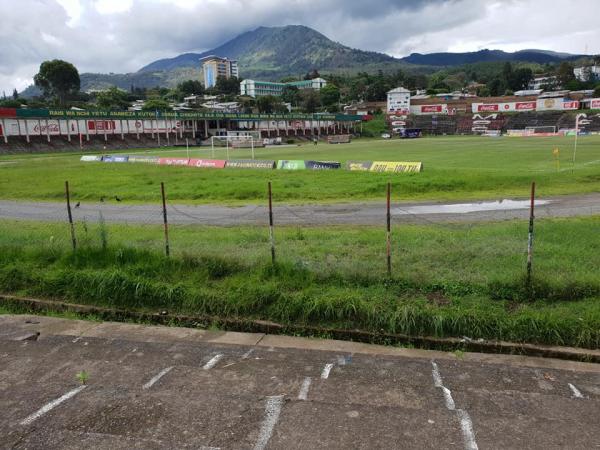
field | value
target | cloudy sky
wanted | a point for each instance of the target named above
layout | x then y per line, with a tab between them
124	35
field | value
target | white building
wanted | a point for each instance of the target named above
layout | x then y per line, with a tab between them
538	82
254	88
398	100
586	72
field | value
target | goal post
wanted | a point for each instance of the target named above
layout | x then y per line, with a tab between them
232	141
545	129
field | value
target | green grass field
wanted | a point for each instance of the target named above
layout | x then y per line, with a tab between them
455	168
459	280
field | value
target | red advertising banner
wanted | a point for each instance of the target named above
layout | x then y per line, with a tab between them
8	112
101	125
525	106
571	105
1	131
595	103
431	108
207	163
494	107
173	161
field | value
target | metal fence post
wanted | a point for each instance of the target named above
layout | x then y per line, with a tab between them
271	235
389	231
68	195
166	223
530	237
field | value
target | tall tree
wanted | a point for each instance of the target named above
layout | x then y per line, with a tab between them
565	73
58	79
15	94
113	98
191	87
330	95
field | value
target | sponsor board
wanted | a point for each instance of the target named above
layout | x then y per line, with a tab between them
173	161
115	158
595	103
207	163
396	166
322	165
89	158
143	159
441	108
291	164
363	166
249	164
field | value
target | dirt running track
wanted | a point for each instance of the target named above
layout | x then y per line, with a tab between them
334	214
158	387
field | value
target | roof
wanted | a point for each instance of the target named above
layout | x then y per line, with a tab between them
399	90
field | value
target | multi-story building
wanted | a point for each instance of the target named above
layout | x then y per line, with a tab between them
546	82
215	66
587	73
254	88
398	100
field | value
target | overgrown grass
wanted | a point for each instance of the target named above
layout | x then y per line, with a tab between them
455	168
454	280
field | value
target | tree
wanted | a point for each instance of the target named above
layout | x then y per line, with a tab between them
520	78
113	98
291	94
330	95
58	79
565	73
191	87
227	86
310	100
312	75
15	94
497	87
597	90
156	104
267	104
10	103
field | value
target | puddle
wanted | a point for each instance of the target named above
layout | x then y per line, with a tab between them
461	208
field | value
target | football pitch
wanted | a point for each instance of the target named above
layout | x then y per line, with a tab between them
455	168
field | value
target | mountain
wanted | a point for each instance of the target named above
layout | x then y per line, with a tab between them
457	59
280	51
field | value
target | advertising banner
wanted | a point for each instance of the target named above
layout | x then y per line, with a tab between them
249	164
441	108
173	161
143	159
556	104
595	103
115	158
207	163
8	112
88	158
291	165
322	165
395	166
363	166
570	105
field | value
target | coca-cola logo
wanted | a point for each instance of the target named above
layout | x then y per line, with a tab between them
487	108
526	106
51	127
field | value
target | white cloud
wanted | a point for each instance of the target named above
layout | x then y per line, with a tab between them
124	35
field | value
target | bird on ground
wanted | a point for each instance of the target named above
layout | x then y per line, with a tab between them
102	199
78	204
117	198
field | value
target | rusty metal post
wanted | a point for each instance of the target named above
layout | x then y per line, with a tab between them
166	223
271	234
389	231
68	196
530	237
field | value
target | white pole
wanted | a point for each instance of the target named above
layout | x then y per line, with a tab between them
187	147
212	143
576	136
227	146
252	142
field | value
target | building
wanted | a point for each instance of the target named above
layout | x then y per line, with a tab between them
215	66
254	88
398	100
587	73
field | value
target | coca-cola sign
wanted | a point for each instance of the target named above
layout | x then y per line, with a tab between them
493	107
431	108
525	106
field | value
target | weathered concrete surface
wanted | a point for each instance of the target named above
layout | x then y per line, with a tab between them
157	387
372	213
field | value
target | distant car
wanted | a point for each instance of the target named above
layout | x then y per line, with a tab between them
386	136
